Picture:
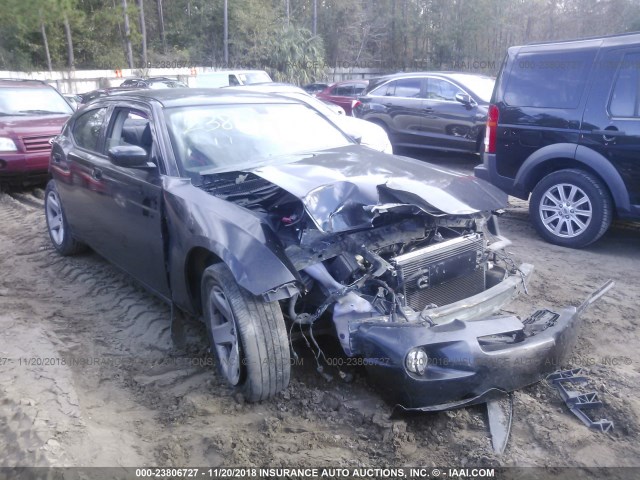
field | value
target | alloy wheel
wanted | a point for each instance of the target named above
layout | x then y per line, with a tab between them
565	210
225	334
55	220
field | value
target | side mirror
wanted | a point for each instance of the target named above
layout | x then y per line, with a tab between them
464	98
130	156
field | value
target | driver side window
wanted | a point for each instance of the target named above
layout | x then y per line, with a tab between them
131	127
86	129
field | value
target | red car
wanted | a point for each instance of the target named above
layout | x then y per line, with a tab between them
31	114
344	93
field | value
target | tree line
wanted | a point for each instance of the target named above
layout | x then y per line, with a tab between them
295	40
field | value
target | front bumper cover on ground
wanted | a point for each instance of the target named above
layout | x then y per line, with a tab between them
470	359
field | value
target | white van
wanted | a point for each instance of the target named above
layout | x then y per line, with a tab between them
226	78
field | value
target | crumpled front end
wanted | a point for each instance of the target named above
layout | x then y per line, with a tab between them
405	264
428	357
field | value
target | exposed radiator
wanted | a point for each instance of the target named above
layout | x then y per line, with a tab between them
442	273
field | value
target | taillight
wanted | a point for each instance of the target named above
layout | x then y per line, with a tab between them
491	131
355	104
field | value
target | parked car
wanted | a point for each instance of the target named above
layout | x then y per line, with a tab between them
344	93
103	92
366	133
444	111
260	216
233	78
313	88
73	99
153	82
31	114
564	131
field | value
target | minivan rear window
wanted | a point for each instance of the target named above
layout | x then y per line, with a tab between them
549	80
625	97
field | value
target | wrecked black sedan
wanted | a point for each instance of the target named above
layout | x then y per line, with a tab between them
257	214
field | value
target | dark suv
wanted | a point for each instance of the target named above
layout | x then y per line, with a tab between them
435	110
31	114
564	127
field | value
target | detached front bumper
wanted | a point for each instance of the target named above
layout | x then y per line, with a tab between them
471	355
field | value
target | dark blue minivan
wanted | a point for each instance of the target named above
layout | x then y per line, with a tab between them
563	130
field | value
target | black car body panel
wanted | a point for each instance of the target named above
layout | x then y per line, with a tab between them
393	255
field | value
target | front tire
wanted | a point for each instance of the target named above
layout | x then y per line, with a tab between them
57	226
571	208
248	336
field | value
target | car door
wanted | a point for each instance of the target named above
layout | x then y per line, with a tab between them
129	217
611	122
73	170
449	124
400	105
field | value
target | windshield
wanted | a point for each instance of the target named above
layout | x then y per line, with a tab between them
217	138
32	101
480	85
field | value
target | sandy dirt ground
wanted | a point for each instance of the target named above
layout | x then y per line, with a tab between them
92	374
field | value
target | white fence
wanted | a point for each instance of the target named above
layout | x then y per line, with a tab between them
81	81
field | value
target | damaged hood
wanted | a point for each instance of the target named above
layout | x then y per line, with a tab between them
347	187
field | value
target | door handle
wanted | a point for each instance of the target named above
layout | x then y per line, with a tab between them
609	133
388	104
428	110
96	173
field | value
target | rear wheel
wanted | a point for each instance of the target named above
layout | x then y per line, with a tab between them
57	226
248	336
571	208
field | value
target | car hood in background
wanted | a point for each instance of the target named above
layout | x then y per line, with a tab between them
347	187
370	134
27	125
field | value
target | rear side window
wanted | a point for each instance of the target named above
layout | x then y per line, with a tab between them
86	129
359	89
344	90
625	101
406	87
549	80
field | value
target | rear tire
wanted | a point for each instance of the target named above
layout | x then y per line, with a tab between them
57	226
571	208
248	336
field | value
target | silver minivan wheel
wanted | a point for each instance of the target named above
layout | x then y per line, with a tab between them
565	210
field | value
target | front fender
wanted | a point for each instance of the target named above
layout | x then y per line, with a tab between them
251	250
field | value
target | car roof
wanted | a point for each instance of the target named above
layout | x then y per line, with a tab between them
23	83
354	80
444	74
178	97
624	38
268	87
